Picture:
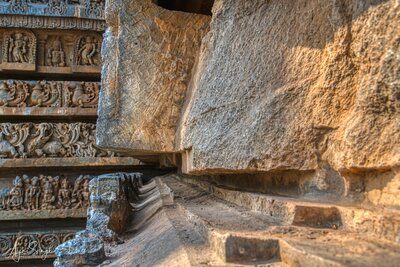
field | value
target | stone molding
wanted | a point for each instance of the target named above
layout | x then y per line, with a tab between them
49	140
90	9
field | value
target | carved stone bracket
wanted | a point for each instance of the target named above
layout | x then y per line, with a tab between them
91	9
29	140
17	246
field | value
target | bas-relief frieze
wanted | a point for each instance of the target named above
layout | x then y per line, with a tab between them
17	93
53	140
91	9
45	193
17	246
50	51
30	22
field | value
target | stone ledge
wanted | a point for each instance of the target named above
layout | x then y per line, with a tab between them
48	112
10	215
68	162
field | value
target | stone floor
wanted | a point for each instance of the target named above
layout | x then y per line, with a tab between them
195	228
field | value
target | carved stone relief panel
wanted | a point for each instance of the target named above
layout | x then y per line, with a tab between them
16	246
55	140
51	51
87	57
18	93
19	50
45	193
93	9
60	23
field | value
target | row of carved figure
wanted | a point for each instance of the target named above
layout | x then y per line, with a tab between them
45	193
17	246
29	140
15	93
69	8
20	47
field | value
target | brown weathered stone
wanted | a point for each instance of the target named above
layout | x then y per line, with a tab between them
148	56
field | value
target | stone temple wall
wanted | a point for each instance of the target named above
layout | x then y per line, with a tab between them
50	64
301	92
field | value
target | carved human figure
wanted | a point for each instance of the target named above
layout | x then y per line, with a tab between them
87	52
33	194
48	196
86	193
55	54
64	195
18	48
16	194
77	200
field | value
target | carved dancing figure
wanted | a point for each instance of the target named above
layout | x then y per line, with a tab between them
18	48
87	52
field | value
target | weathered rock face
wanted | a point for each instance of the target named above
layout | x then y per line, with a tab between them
277	86
297	84
149	54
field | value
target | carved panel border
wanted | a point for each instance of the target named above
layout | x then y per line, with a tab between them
17	246
91	9
29	22
49	140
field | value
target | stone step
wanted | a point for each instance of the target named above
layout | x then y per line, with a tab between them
307	213
241	236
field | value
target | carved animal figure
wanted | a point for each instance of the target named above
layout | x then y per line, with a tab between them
5	94
52	149
82	99
41	137
6	149
37	95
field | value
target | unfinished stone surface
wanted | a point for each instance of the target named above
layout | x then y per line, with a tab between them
277	86
148	55
296	86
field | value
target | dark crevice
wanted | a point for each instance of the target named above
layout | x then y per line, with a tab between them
194	6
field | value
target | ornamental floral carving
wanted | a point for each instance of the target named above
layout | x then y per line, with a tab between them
16	246
30	140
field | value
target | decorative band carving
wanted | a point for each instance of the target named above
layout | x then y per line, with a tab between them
55	140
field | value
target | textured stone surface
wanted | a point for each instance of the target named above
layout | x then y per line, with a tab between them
279	85
298	86
148	55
